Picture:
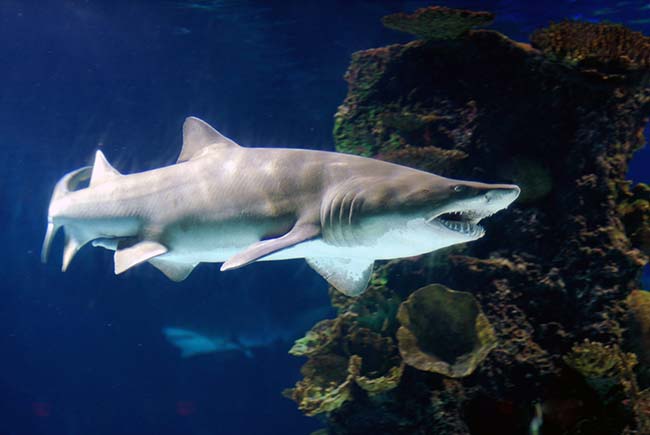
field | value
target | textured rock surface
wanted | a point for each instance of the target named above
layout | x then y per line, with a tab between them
555	269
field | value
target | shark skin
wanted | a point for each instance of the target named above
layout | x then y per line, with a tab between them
224	203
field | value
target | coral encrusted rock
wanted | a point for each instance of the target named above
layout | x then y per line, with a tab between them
589	44
552	275
438	22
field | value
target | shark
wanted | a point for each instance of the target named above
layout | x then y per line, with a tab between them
225	203
192	343
260	333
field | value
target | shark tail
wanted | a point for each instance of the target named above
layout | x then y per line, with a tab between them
69	183
100	172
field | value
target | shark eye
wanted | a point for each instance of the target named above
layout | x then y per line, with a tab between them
460	188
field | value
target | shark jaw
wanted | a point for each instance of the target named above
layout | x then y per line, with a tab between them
459	223
461	218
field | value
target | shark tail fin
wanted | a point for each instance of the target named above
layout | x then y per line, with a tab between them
69	183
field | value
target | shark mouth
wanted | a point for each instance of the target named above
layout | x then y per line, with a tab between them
464	222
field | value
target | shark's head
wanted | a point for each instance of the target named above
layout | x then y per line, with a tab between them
415	212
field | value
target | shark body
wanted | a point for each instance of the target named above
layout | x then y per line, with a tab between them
260	332
192	343
223	203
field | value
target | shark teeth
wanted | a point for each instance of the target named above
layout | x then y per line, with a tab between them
462	221
467	228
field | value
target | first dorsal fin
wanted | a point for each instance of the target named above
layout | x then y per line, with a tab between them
198	135
102	170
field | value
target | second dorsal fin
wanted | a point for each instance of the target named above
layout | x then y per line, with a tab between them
102	170
198	135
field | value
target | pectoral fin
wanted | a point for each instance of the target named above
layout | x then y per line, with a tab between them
350	276
298	234
139	253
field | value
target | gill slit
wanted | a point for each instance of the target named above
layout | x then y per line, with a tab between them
346	228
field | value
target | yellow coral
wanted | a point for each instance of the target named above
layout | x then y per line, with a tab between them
596	360
444	331
383	383
638	302
379	365
326	385
321	336
594	44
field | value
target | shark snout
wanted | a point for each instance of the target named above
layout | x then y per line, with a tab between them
502	194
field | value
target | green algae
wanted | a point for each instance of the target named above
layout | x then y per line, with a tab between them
437	22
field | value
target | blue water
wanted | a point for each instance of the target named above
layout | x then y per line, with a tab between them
82	352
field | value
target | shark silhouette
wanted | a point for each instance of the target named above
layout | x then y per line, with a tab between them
258	333
222	202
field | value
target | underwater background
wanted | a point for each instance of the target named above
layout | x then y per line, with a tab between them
83	352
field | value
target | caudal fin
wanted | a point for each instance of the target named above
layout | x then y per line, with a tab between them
67	184
100	172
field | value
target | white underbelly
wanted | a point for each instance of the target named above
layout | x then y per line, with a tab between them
218	246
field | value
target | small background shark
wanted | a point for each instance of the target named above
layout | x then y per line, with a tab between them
247	335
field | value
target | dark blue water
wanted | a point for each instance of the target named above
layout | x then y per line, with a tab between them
82	352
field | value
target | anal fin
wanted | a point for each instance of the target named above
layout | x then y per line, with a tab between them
172	270
139	253
350	276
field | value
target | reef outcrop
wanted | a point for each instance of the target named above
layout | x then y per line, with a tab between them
438	22
555	274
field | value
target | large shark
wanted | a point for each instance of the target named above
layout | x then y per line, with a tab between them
222	202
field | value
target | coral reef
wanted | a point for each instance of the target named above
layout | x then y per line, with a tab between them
638	332
327	384
635	214
349	350
438	22
443	331
609	371
562	117
611	46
